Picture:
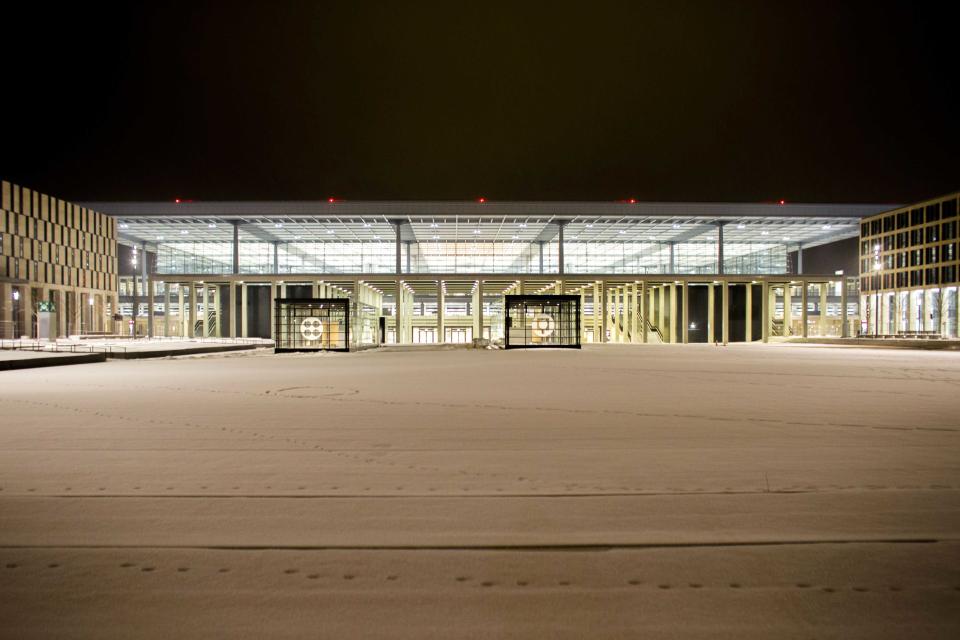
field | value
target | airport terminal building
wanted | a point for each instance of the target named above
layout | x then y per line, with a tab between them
429	272
454	272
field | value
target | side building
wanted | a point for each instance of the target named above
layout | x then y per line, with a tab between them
58	266
909	264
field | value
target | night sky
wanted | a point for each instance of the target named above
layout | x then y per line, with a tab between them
723	101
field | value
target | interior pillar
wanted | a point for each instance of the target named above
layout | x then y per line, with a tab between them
273	309
166	309
748	333
725	311
711	325
765	306
803	309
787	309
244	332
441	301
685	315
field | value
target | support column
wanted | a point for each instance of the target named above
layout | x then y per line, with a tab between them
765	306
216	311
844	331
725	312
315	289
803	310
478	311
748	333
824	291
192	311
598	323
27	324
642	311
441	302
205	310
560	225
236	247
166	309
399	311
181	317
720	249
273	309
685	315
787	309
6	311
615	313
244	331
665	333
711	314
232	313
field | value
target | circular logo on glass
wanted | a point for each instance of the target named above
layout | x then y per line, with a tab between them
311	329
542	325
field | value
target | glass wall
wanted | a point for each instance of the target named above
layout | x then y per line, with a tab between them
542	321
319	325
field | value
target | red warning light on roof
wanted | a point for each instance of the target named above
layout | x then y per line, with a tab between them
331	200
783	202
481	200
632	201
177	201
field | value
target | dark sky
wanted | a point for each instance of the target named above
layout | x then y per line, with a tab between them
724	101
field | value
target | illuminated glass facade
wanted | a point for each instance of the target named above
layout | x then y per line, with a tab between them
472	238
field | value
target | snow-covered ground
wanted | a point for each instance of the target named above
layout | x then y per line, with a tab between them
617	491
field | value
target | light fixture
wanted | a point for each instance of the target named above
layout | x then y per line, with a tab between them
826	226
522	225
329	231
212	225
184	232
741	226
278	225
764	233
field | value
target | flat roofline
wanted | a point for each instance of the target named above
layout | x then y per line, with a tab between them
451	208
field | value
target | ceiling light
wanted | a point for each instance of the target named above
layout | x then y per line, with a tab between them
278	225
741	226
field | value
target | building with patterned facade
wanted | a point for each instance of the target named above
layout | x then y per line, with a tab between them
909	264
58	266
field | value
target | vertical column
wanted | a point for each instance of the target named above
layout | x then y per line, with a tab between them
276	261
216	311
799	259
166	309
273	309
232	313
151	296
478	311
441	302
205	310
315	289
236	248
803	310
26	306
642	310
634	312
725	311
787	309
398	269
614	313
824	290
685	315
398	310
560	225
765	307
844	331
665	333
598	314
711	313
720	249
671	266
244	331
181	311
6	311
748	321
